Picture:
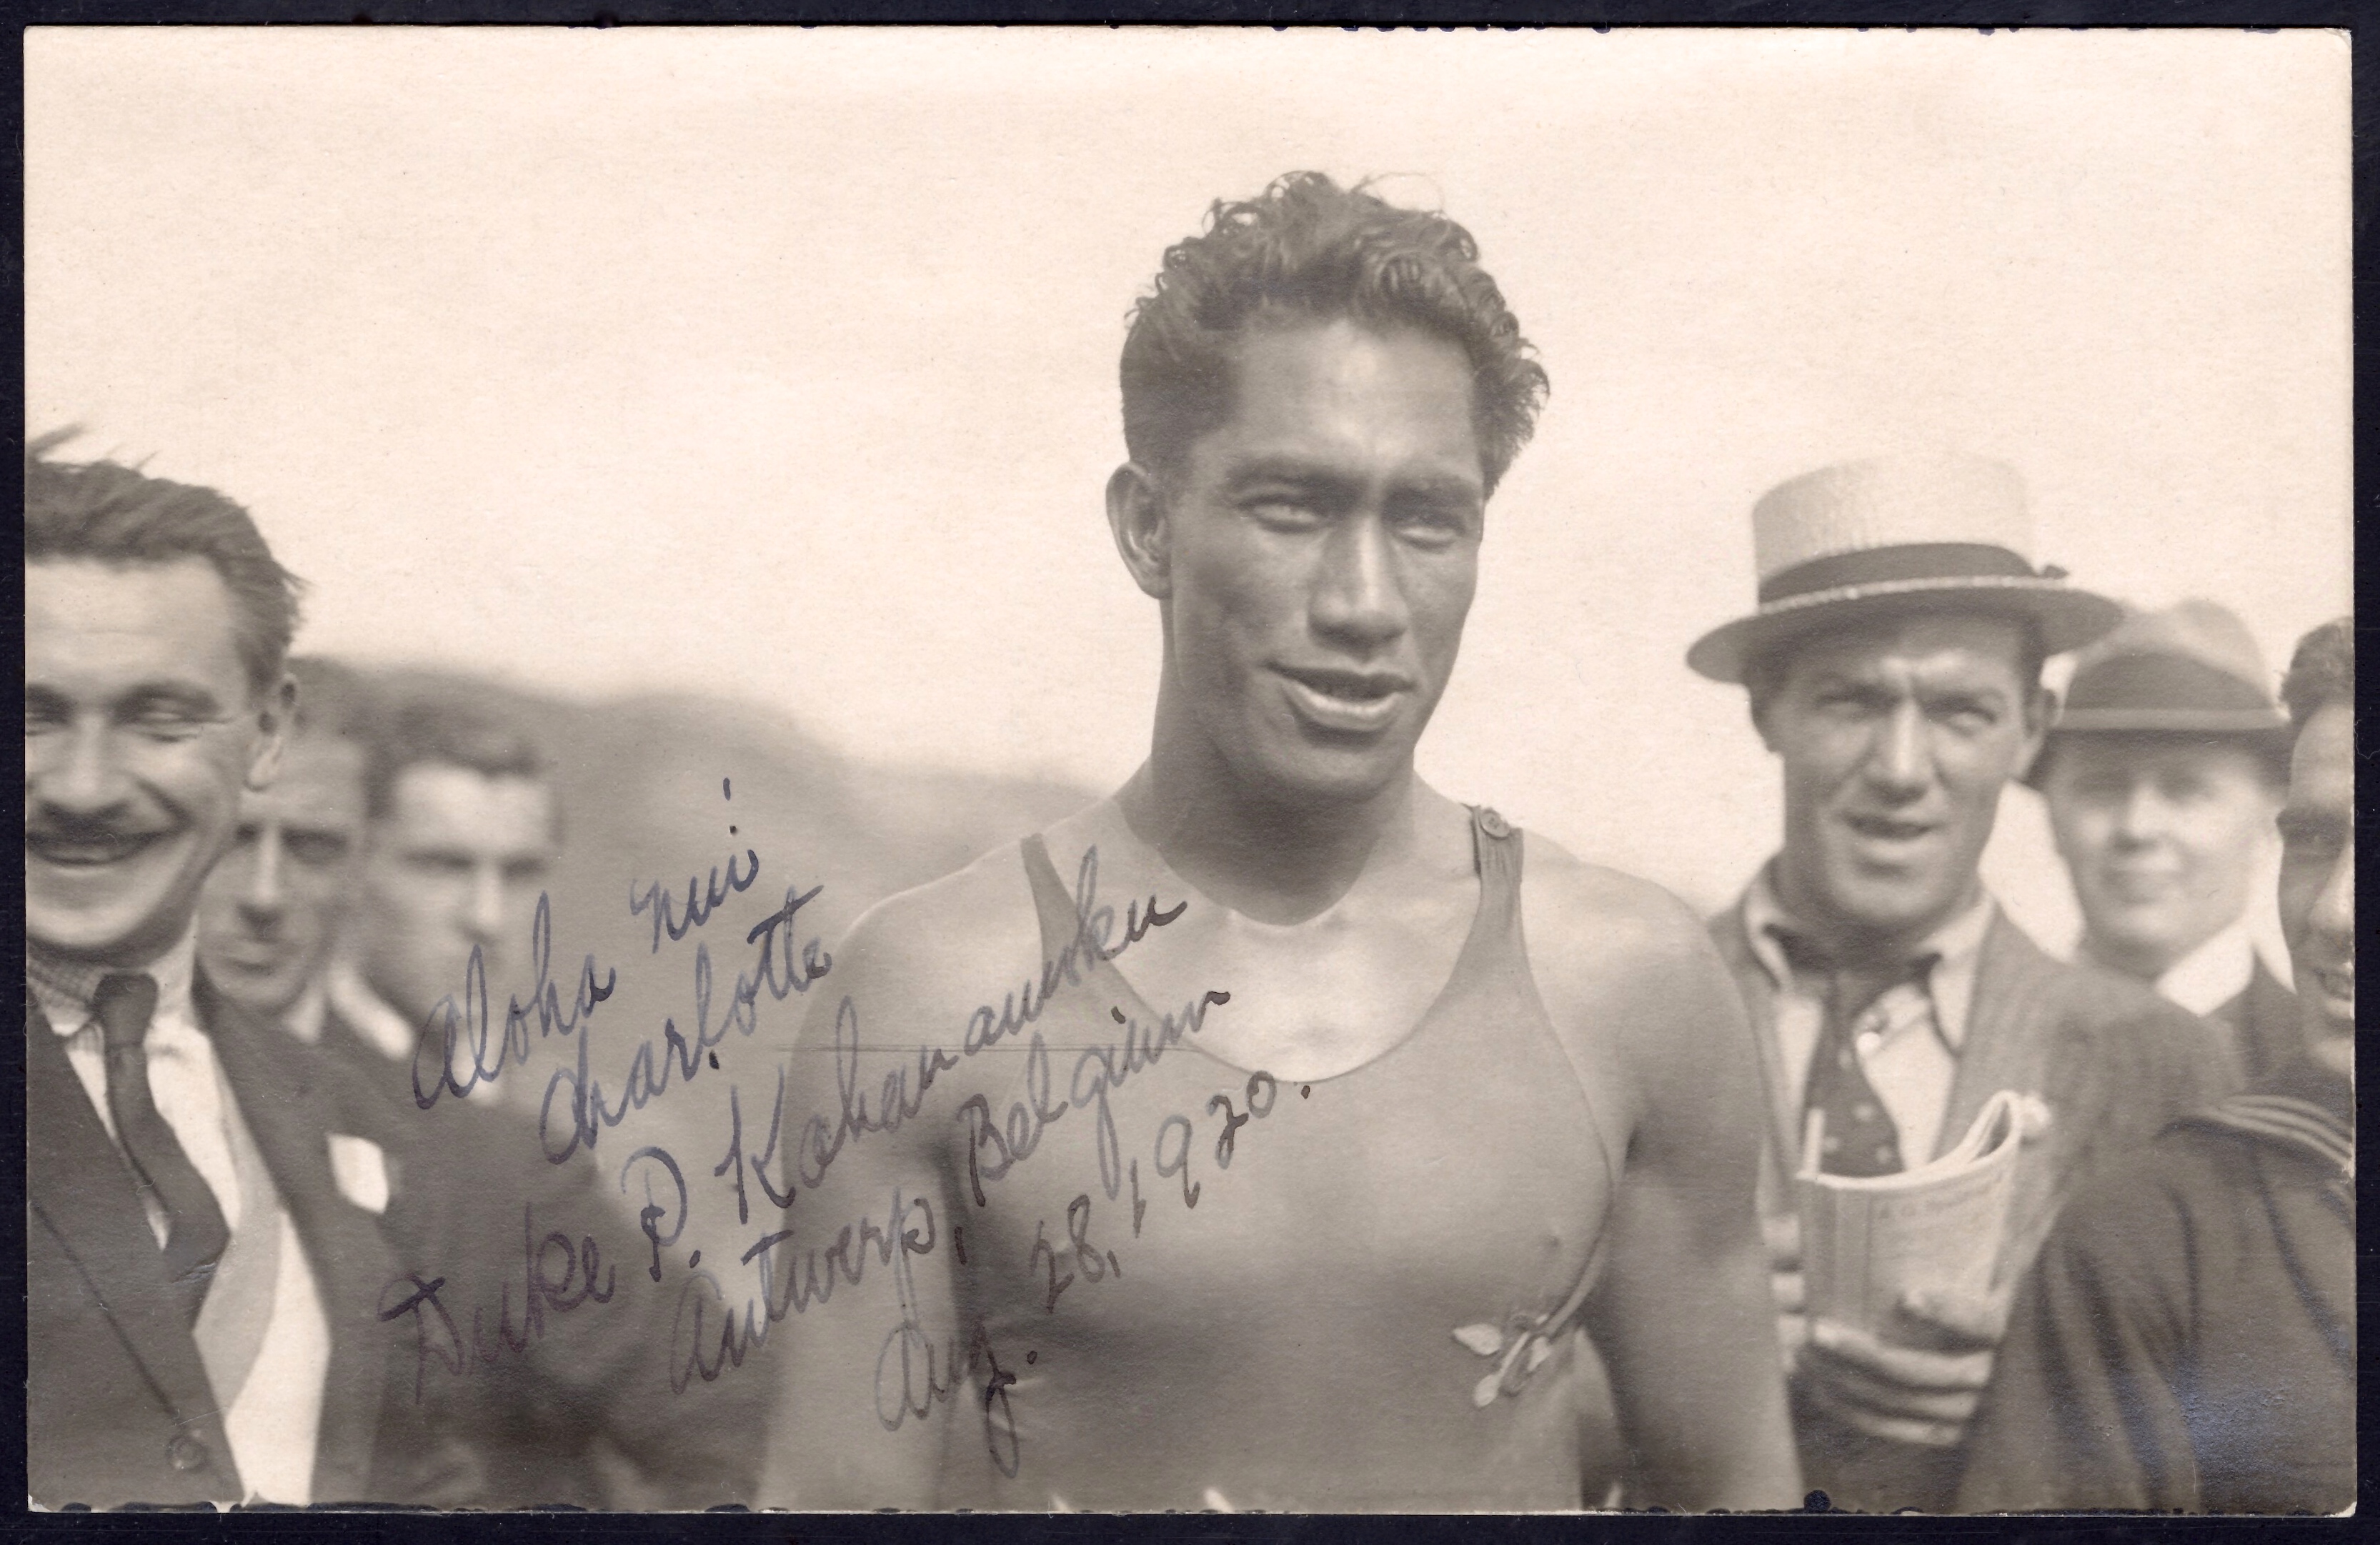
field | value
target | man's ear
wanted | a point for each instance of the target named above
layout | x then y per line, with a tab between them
274	712
1136	515
2040	713
1756	706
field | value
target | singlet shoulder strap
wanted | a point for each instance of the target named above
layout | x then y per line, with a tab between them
1496	849
1051	902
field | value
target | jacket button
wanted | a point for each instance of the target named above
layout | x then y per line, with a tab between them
1493	824
187	1454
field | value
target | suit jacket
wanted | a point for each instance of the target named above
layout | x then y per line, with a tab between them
2263	1027
2115	1063
117	1405
569	1406
2187	1340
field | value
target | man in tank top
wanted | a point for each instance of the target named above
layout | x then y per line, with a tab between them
1230	1144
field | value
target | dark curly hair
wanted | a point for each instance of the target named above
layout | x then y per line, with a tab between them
1308	250
104	513
2322	671
451	724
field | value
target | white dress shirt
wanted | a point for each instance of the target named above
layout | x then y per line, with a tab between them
274	1420
2209	976
368	1014
1908	1042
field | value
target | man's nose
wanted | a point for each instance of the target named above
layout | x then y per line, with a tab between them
1359	595
2334	908
483	914
1901	761
263	895
2141	813
78	769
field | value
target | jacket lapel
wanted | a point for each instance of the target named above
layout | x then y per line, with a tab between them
80	1188
2272	1032
2009	1034
290	1119
1780	1156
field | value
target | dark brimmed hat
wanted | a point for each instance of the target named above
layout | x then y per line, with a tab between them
1949	531
2190	669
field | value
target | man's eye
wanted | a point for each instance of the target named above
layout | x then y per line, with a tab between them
315	849
445	865
525	871
1433	527
167	724
1283	510
2309	844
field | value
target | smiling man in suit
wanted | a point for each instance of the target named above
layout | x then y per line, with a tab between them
202	1296
2187	1341
1893	665
2163	777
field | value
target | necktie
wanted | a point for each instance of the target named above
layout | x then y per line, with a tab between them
195	1235
1859	1138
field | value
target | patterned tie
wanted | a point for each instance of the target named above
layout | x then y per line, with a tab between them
1859	1136
195	1235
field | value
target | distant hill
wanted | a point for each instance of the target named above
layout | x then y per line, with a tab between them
640	779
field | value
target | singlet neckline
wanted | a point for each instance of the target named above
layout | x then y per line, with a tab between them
1485	827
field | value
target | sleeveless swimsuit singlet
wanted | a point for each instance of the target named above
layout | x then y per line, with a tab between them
1201	1287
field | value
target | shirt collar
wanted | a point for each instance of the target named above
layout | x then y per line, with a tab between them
366	1013
1957	945
2211	974
303	1019
64	985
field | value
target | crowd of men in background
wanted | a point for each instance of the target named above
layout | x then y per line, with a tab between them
323	858
253	884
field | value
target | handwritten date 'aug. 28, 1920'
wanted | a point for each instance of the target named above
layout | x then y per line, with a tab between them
464	1046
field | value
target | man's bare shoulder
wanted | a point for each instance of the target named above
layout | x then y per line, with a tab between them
1623	963
944	945
1630	978
1607	921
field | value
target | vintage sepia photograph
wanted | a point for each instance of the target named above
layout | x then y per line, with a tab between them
1189	770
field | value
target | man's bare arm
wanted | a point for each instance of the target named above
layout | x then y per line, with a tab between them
1682	1312
874	1367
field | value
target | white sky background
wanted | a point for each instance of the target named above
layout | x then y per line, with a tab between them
782	365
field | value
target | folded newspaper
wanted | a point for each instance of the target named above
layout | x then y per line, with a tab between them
1868	1241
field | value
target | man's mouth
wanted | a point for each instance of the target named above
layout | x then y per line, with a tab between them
89	849
2335	984
1889	829
2138	885
1352	702
250	953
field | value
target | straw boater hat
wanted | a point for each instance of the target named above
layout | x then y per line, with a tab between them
2192	670
1849	538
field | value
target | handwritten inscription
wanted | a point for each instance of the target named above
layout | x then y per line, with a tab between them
777	1155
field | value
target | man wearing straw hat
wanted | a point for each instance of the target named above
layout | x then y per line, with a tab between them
1893	665
2163	776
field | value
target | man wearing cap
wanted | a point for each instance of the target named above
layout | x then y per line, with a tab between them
1893	665
2188	1339
2163	776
